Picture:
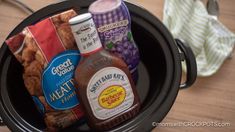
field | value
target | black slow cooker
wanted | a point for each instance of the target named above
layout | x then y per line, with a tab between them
158	85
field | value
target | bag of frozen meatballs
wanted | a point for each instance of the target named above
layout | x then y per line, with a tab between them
49	55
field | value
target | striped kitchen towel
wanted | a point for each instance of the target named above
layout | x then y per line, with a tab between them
211	42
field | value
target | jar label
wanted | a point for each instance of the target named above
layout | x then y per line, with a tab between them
57	81
87	37
114	28
109	93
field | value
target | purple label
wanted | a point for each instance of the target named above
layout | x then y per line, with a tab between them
114	29
115	32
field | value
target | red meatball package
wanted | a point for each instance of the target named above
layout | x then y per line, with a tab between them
49	55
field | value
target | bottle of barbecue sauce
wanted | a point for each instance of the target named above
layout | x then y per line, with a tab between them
103	81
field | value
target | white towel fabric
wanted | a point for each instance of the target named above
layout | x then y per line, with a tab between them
211	42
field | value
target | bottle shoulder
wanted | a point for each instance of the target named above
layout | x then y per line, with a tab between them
102	59
91	64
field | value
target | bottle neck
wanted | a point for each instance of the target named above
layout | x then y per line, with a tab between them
86	37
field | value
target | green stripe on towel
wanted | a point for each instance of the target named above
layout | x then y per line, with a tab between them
211	42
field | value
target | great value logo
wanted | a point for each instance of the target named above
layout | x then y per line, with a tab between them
63	68
57	81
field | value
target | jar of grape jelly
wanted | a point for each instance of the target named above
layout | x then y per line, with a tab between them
105	87
113	22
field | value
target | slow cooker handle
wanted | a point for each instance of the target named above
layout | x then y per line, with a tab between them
1	122
191	65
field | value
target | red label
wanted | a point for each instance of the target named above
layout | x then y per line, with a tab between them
16	42
47	38
78	111
87	54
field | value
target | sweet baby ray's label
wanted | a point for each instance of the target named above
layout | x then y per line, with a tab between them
109	93
57	81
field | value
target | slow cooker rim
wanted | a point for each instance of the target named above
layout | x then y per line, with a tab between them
177	63
177	66
7	108
166	39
